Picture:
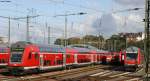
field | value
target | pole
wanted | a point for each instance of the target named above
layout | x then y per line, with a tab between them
146	44
99	44
49	35
65	30
65	35
114	45
126	42
72	29
27	31
9	31
45	32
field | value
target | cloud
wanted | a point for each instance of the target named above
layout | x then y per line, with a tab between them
109	24
105	25
134	23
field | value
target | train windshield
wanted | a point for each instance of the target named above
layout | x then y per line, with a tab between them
16	56
130	56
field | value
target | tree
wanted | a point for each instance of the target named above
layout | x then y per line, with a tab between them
73	40
96	41
59	41
115	43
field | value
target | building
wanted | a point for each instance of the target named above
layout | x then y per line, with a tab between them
133	37
3	40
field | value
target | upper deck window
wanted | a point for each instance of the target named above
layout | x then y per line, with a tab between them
51	49
3	50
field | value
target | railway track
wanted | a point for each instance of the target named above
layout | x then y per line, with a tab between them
59	75
90	73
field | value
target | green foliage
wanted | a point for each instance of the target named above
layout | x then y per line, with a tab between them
114	43
73	40
59	41
139	44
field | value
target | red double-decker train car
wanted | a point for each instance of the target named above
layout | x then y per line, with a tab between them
27	57
4	55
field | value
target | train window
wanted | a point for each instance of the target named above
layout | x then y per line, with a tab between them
3	61
47	62
30	55
44	62
36	55
16	57
68	56
3	50
59	62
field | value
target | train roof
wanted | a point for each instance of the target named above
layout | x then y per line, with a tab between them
83	46
102	51
82	50
59	48
86	48
20	44
4	45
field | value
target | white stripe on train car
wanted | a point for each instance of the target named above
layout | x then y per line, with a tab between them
84	63
3	53
131	52
120	74
50	67
100	73
3	64
32	67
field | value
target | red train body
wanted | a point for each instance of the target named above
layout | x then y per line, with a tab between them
4	55
25	56
133	57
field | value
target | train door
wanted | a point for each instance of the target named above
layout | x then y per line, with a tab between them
41	62
75	59
64	60
123	58
92	58
95	57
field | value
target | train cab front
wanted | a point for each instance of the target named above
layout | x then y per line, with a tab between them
131	61
22	58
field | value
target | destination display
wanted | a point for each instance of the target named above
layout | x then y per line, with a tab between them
17	49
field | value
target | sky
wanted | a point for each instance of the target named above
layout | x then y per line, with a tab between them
99	19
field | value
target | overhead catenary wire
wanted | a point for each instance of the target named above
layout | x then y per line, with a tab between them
78	6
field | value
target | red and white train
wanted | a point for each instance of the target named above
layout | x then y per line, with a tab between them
4	55
26	57
133	57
